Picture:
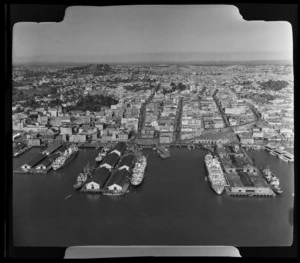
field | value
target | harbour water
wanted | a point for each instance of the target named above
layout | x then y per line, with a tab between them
174	205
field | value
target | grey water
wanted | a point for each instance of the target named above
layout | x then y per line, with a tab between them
174	205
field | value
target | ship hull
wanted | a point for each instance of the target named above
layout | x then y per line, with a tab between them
73	155
217	188
78	186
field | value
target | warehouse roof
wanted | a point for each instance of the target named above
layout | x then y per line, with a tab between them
120	146
47	161
127	160
111	159
36	159
100	176
118	177
52	147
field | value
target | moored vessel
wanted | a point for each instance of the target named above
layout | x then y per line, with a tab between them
272	180
138	171
83	176
102	154
215	173
65	157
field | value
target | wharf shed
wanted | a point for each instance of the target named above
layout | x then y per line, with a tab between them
110	161
98	180
34	161
117	180
47	161
119	148
52	147
127	162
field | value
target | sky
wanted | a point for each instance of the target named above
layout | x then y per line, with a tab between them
152	33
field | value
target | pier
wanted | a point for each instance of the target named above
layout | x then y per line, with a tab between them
230	193
242	177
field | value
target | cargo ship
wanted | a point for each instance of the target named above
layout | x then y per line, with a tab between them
138	171
102	154
272	180
215	174
65	157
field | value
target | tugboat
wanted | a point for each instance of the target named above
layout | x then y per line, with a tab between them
82	177
272	180
102	154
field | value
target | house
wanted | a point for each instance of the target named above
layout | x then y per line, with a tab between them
117	180
98	179
110	160
127	162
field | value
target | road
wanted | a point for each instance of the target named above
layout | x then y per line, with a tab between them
177	123
142	116
221	110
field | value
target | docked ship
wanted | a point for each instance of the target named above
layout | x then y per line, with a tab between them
65	157
102	154
82	177
272	180
162	152
287	157
215	173
138	171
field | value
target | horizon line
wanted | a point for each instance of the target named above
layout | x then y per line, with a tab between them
267	61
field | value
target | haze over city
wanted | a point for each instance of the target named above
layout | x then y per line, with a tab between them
136	34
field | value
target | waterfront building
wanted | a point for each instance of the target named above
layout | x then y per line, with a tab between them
117	180
52	147
119	148
127	162
34	142
80	137
98	179
34	161
110	160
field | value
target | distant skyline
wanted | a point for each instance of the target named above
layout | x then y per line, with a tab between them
152	34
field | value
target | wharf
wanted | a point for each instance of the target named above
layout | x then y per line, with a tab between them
52	148
106	191
87	145
22	151
32	170
229	193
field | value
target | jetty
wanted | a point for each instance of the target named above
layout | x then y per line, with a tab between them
243	178
52	147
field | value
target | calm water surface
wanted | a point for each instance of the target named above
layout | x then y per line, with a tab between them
173	206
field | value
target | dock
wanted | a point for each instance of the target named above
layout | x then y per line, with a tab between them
52	147
23	150
242	177
106	191
95	145
230	193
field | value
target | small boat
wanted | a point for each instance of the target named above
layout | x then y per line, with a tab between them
68	197
272	181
